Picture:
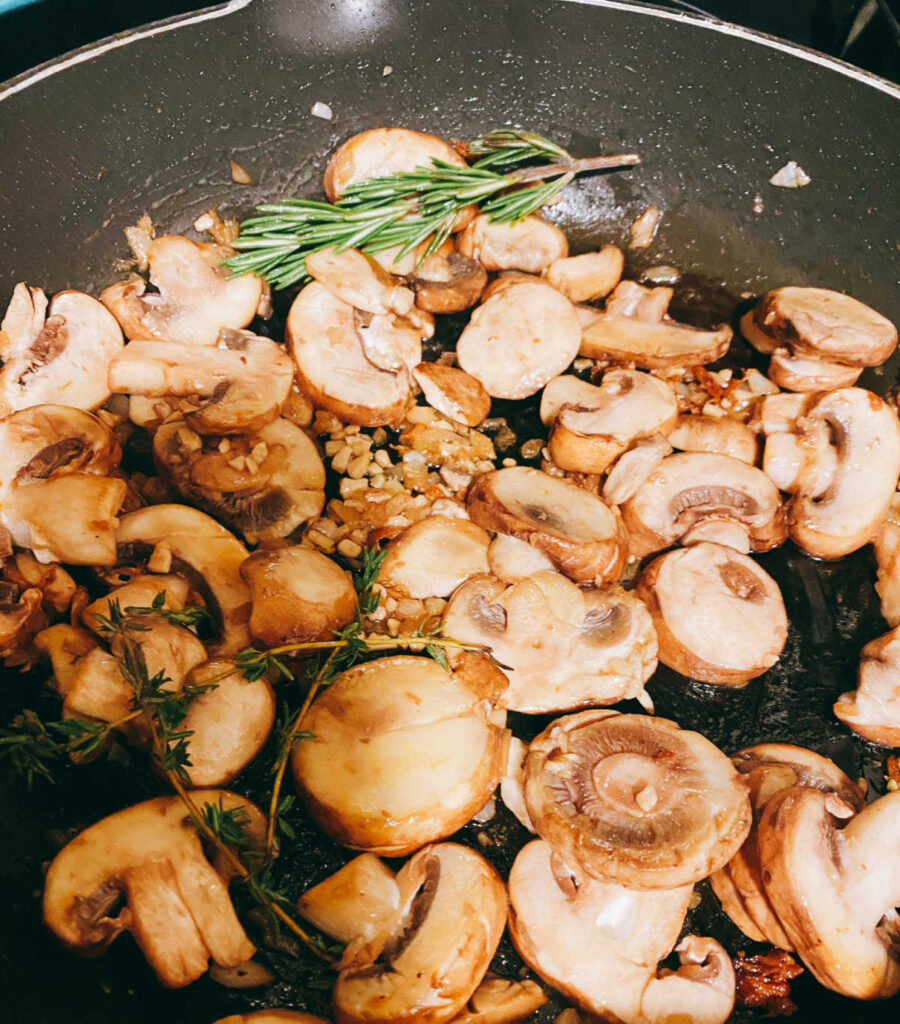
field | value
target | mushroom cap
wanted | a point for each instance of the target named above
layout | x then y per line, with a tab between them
404	752
453	392
530	244
719	617
448	282
432	557
519	339
577	531
835	889
298	594
635	800
691	489
803	374
561	646
451	918
823	324
592	275
332	368
720	435
873	709
195	297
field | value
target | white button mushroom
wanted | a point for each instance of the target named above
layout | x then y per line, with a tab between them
592	275
873	709
511	560
447	282
886	544
718	434
531	244
453	393
355	278
802	374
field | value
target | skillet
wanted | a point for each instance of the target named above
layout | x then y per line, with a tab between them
148	121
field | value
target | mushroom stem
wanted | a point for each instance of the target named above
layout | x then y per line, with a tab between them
591	163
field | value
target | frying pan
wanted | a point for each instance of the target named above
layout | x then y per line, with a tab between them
148	121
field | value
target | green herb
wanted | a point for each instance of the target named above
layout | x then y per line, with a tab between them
190	617
409	208
29	749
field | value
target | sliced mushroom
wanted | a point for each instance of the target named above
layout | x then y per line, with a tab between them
769	768
635	800
433	556
358	280
298	595
567	389
271	1017
65	646
719	617
507	278
511	560
764	343
512	785
593	275
561	646
554	918
206	552
376	721
237	385
717	434
194	297
577	531
773	414
530	244
588	436
693	490
264	484
139	592
835	889
178	908
519	339
800	373
454	393
634	328
886	544
393	343
21	619
452	913
633	467
332	368
501	1001
63	358
448	282
873	709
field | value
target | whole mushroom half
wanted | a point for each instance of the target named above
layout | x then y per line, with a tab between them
873	709
577	531
719	617
635	800
601	943
403	752
561	646
58	354
178	908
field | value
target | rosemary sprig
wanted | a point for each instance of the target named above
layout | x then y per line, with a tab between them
409	208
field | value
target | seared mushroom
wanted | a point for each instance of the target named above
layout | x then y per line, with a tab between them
802	374
635	800
601	943
501	1001
178	908
511	559
298	595
835	889
512	785
65	646
634	328
206	552
719	617
433	556
593	275
448	282
271	1017
140	592
63	358
194	297
530	244
717	434
577	531
454	393
264	484
561	646
22	618
332	367
693	496
237	385
393	343
633	467
873	709
592	433
886	544
769	768
519	339
355	278
373	723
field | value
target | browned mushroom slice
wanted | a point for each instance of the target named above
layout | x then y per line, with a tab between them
779	413
393	343
63	358
633	328
822	324
691	490
271	1017
719	617
635	800
433	556
519	339
139	592
886	545
264	484
577	531
298	595
588	436
800	373
22	618
566	389
454	393
873	709
448	282
194	298
530	244
511	559
332	368
717	434
633	467
593	275
769	768
358	280
502	1001
835	889
562	647
764	343
65	646
371	725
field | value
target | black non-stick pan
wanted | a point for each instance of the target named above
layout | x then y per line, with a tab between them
148	122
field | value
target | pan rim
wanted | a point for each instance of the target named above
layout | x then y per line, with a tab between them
92	51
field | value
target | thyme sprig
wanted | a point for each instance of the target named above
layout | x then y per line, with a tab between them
409	208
